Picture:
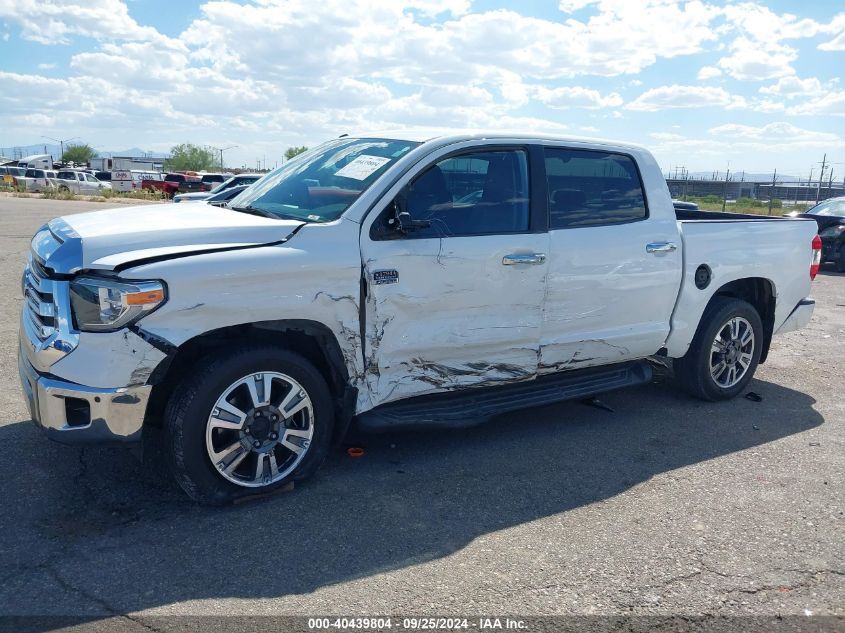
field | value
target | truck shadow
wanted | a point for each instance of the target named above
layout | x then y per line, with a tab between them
101	533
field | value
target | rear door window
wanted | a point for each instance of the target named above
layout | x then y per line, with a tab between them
592	188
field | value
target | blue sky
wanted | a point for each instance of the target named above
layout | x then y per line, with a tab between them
755	85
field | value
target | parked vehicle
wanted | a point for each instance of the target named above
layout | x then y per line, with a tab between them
682	205
124	180
219	199
36	161
79	182
234	181
11	175
351	286
171	184
830	218
37	180
103	176
210	181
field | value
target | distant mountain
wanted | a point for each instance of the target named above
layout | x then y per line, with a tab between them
133	151
19	151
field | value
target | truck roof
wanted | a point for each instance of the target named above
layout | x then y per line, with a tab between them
447	136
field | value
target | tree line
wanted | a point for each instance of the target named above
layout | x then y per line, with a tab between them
183	157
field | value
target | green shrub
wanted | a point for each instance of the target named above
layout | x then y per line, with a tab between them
59	194
748	202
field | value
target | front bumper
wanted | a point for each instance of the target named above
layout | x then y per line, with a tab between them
74	414
799	317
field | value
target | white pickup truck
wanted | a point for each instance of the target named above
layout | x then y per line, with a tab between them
79	182
392	282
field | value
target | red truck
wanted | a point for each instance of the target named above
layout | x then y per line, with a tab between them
172	184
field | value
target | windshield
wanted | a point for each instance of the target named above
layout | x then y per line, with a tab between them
224	185
320	185
830	207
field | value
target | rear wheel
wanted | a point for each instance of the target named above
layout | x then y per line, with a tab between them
840	262
725	351
247	422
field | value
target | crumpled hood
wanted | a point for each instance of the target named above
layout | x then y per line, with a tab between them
120	236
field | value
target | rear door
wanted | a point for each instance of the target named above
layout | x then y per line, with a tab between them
614	271
456	301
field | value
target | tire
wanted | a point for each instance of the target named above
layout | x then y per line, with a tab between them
840	262
193	421
695	370
63	188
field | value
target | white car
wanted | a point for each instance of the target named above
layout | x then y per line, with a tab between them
37	180
362	284
79	182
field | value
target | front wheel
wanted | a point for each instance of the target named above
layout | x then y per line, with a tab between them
247	422
725	352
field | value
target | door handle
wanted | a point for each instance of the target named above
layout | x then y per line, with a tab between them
660	247
531	258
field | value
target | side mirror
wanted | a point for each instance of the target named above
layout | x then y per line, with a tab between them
401	219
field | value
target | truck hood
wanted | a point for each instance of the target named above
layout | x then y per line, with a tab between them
114	238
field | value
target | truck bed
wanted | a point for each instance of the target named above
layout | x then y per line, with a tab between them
721	216
773	251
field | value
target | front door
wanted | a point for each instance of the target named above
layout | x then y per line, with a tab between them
455	300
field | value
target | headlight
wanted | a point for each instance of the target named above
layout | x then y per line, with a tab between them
105	305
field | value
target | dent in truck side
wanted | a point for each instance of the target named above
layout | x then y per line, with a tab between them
267	284
454	312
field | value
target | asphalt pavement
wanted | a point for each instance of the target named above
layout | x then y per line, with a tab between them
666	505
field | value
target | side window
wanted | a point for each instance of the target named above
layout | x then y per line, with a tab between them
589	188
477	193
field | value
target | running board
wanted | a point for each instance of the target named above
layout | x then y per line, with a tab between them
472	406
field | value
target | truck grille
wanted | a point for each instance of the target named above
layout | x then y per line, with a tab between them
40	302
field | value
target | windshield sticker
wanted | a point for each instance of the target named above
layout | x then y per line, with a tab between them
362	167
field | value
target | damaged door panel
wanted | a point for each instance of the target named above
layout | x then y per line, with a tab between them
610	297
454	298
455	316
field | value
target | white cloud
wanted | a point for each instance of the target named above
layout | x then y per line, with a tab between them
751	60
793	87
708	72
261	72
570	6
758	52
53	21
772	132
832	103
576	97
837	25
676	96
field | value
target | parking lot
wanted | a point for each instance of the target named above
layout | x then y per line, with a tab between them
665	505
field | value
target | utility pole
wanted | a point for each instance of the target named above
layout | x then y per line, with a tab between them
821	177
221	150
725	196
772	190
61	143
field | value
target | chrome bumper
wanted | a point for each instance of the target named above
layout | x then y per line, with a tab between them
799	317
74	414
